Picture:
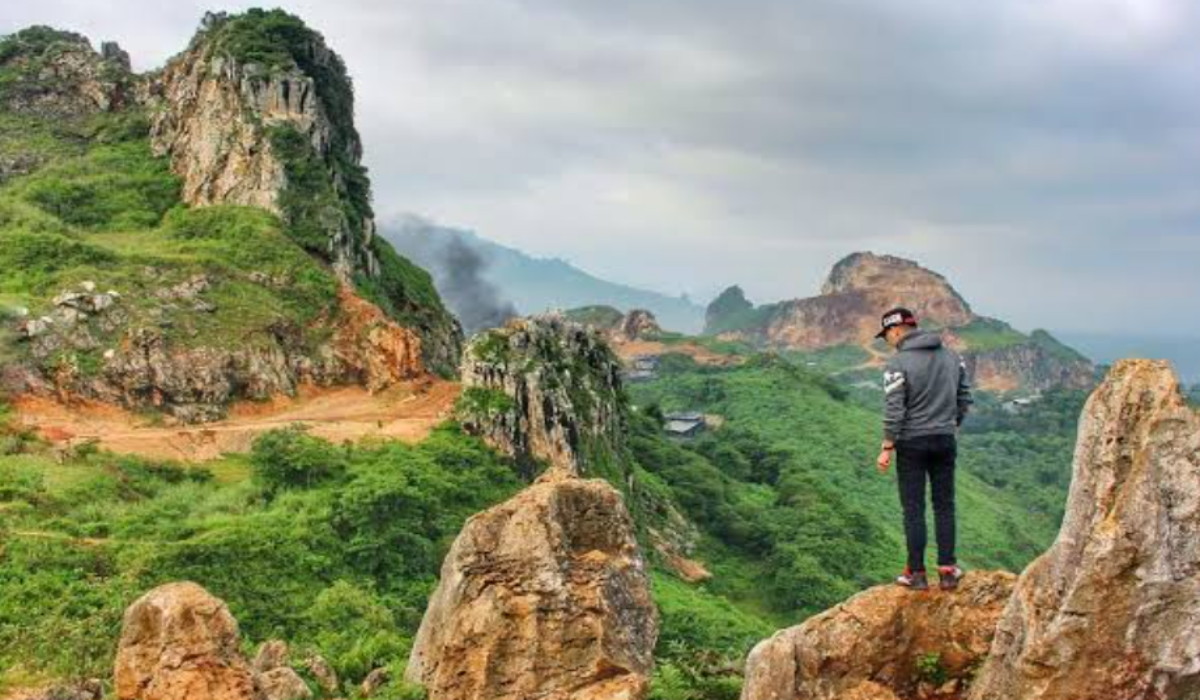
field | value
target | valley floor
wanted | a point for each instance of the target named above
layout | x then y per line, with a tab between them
406	412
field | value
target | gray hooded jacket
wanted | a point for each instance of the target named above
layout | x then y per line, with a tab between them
925	386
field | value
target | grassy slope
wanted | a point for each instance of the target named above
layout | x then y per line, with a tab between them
104	209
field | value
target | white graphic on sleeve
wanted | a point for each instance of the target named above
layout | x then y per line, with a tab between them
892	381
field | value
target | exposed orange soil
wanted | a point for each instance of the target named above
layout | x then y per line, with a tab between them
628	349
407	411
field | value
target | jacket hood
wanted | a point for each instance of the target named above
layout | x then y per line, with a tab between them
921	340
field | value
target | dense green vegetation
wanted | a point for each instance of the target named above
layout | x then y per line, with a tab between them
818	521
332	548
1025	451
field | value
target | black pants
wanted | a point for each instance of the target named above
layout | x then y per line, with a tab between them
929	456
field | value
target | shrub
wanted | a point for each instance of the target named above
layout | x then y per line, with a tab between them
290	458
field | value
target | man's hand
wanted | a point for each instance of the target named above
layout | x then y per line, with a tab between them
885	457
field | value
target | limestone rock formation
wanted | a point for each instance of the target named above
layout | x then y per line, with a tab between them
223	111
195	384
259	111
55	74
870	647
178	642
863	285
544	388
1112	610
543	596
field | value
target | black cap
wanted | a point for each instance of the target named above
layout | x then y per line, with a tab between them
898	316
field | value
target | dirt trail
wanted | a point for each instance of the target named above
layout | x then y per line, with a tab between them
405	412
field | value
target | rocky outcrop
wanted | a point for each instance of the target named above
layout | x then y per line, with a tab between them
862	286
178	642
219	108
1111	610
617	327
885	643
1027	366
543	596
196	384
54	74
259	111
859	288
544	389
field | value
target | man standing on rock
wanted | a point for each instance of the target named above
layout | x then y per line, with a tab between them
926	396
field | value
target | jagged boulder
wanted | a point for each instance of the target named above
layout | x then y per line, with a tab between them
1111	611
545	595
543	388
881	644
178	642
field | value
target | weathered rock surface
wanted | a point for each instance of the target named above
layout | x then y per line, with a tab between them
236	131
543	388
215	123
178	642
196	384
1112	610
543	596
869	646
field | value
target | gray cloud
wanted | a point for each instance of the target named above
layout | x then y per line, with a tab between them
1041	153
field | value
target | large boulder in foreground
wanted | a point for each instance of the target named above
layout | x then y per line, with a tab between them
545	595
885	643
178	642
1112	610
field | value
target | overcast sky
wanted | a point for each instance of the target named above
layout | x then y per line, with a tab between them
1043	154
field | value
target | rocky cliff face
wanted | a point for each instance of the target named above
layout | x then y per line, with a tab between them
544	389
1111	610
224	107
259	111
885	643
543	596
862	286
196	384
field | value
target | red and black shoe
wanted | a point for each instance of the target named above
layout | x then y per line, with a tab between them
915	580
949	576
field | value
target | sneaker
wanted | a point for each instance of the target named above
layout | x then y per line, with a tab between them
948	577
913	579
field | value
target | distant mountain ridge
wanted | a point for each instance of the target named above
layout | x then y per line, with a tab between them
533	284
